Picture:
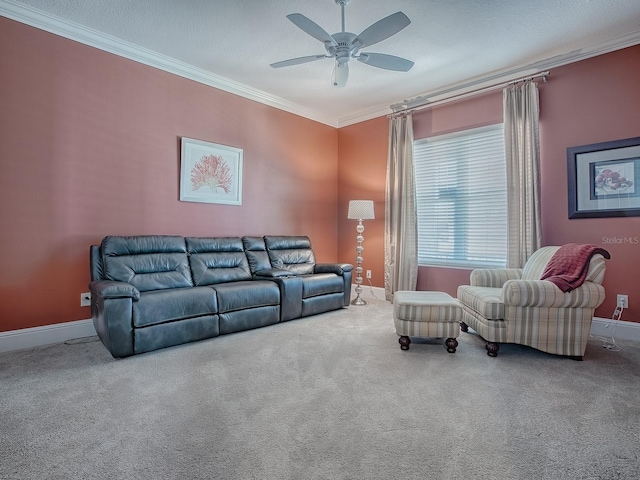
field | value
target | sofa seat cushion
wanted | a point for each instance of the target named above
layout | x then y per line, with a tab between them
321	284
243	295
160	306
487	301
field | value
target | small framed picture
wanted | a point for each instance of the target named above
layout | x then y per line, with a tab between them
210	173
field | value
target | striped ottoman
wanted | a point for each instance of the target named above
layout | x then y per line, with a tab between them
426	314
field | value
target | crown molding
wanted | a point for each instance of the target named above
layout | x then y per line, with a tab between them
494	78
502	76
364	115
78	33
508	75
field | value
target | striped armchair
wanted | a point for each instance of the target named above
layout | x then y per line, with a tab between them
514	306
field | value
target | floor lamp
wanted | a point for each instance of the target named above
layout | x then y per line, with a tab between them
360	210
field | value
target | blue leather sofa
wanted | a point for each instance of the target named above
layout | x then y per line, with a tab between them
155	291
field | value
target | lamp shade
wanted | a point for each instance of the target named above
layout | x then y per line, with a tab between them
361	210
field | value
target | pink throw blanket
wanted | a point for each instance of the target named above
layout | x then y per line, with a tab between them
568	267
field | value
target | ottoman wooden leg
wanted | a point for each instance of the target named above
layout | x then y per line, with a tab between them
404	342
451	345
464	327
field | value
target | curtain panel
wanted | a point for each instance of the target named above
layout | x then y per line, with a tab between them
400	224
522	151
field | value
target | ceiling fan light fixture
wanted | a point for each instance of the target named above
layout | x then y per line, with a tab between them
340	74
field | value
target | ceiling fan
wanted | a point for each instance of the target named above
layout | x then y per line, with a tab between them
344	45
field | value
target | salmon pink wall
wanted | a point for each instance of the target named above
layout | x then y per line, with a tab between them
591	101
362	172
596	100
90	146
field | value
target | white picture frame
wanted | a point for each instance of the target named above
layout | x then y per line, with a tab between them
210	172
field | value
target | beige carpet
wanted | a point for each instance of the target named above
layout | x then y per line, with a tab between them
326	397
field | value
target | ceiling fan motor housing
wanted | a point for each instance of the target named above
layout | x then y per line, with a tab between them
344	49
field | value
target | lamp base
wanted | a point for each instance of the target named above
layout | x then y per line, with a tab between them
358	301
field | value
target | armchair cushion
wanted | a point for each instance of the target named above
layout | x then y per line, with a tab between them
486	301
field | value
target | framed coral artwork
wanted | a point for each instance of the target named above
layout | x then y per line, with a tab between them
210	173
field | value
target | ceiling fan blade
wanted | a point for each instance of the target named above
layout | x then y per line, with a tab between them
382	29
388	62
298	61
312	28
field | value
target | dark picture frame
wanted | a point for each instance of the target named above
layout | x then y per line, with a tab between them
604	179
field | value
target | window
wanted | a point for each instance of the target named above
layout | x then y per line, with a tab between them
461	197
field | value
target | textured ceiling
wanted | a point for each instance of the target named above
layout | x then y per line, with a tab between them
453	42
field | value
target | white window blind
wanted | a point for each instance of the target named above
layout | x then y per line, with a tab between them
461	198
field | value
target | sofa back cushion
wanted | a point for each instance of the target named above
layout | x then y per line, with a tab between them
217	260
148	262
256	252
291	253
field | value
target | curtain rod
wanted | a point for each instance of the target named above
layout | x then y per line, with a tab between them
425	103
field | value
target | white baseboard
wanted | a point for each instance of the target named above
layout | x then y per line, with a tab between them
621	330
368	291
37	336
61	332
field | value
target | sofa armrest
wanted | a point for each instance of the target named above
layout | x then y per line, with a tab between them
343	270
542	293
272	273
112	313
493	277
111	289
337	268
290	286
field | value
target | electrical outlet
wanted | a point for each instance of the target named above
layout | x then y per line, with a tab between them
623	301
85	299
368	273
